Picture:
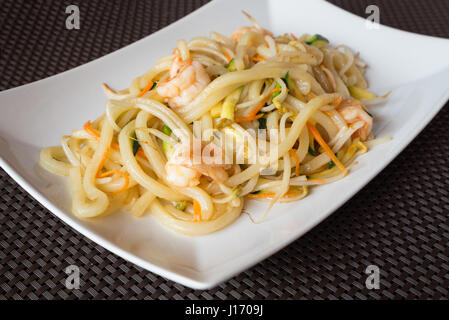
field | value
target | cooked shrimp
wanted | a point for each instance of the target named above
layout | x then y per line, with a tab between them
181	175
182	172
353	112
187	79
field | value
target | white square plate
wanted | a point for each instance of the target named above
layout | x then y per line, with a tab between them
414	67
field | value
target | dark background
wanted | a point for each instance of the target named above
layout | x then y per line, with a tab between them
398	222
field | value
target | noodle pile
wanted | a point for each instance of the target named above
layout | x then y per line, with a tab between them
226	90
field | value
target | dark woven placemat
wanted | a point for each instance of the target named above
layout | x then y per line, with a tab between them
399	222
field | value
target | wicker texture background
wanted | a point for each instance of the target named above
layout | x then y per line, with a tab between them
398	222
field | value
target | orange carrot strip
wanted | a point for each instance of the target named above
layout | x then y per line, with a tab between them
253	114
294	155
91	131
310	95
270	195
141	153
114	145
260	195
196	211
329	113
337	102
258	58
249	118
228	56
326	148
146	89
124	175
386	95
317	180
293	36
291	194
105	155
258	107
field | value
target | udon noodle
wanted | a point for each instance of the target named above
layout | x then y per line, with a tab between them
269	118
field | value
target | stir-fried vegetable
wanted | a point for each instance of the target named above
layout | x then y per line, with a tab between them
366	110
232	86
312	151
277	92
250	118
258	58
181	205
196	211
292	87
166	147
271	195
337	102
136	145
228	109
215	112
279	106
166	130
150	86
262	123
287	80
253	114
91	131
322	79
295	156
318	41
103	159
326	148
361	94
228	56
231	65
